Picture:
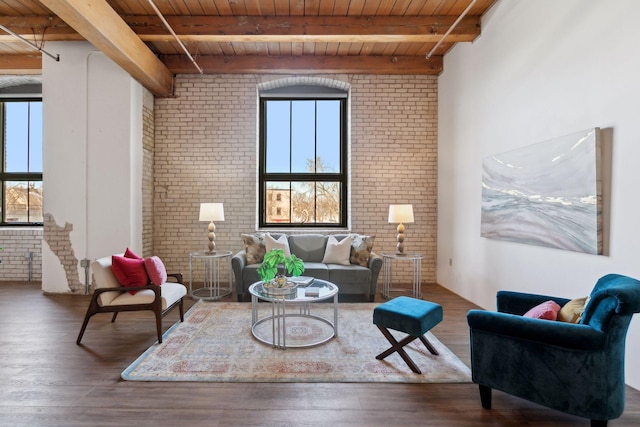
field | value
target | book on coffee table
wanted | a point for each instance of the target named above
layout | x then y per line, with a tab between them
302	280
312	291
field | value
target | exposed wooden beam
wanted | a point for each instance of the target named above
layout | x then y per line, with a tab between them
21	64
37	28
321	29
256	29
306	64
251	29
98	23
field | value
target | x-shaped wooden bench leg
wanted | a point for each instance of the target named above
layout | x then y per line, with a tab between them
397	346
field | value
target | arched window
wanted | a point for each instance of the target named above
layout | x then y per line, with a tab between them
303	157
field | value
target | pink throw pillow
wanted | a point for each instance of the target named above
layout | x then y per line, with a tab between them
548	310
130	254
129	272
156	270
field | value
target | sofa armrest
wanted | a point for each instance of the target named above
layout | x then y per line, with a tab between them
520	303
238	261
566	335
375	265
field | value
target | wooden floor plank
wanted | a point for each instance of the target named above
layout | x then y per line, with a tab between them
47	380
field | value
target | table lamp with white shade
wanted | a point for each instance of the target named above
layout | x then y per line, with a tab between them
400	214
211	212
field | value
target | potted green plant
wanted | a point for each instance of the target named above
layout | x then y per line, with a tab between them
273	259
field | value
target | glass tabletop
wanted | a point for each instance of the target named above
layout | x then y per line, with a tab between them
207	254
396	255
317	289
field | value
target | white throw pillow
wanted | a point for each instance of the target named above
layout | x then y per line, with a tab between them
281	243
338	252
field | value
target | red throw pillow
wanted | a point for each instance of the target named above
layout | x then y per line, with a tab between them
548	310
130	254
130	272
156	270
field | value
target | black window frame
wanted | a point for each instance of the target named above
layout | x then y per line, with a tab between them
340	177
14	176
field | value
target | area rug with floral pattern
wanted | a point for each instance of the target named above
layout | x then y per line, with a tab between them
215	344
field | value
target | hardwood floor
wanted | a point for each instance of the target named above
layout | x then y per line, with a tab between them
47	380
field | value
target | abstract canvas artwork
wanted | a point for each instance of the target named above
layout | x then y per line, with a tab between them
546	194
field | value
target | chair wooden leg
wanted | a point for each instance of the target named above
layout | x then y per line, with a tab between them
394	344
397	347
181	308
159	326
91	310
429	346
115	314
84	326
485	396
598	423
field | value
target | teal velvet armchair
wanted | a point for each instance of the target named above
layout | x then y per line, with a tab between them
574	368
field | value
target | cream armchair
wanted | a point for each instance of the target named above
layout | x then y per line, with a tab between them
110	297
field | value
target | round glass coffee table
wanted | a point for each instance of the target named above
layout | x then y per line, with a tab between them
306	329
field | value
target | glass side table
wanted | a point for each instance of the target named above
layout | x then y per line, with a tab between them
212	288
387	273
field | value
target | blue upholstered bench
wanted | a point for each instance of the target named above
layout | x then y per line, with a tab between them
412	316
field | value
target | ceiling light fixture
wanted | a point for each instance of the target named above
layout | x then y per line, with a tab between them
456	22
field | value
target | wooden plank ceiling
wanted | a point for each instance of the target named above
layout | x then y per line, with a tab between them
243	36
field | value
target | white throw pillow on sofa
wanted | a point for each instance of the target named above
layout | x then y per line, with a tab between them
338	252
281	243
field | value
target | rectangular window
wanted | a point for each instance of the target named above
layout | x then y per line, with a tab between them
303	164
21	174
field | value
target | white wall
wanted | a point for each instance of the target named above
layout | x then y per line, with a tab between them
92	114
540	70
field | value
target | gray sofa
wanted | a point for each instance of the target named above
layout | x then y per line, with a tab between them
358	278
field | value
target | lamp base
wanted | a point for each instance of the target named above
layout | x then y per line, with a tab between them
400	238
212	236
